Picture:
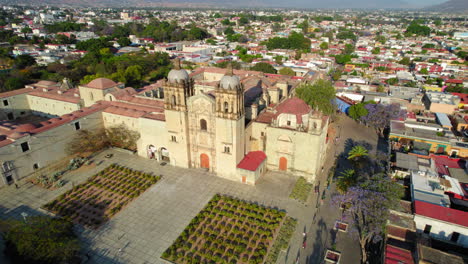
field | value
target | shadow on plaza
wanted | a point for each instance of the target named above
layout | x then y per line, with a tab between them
320	243
87	255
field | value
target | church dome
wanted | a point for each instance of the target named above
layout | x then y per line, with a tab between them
177	74
229	81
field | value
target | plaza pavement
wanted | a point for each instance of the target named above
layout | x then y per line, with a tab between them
148	225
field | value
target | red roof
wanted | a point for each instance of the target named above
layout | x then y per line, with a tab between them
101	83
444	162
441	213
252	160
293	106
463	97
395	255
454	81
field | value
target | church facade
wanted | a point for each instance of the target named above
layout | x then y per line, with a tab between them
236	124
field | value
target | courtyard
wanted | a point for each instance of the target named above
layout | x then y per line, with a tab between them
152	222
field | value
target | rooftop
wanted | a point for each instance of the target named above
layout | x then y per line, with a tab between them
441	213
252	160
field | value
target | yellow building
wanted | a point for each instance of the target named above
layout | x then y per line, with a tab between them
212	119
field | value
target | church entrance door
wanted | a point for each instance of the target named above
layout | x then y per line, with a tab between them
204	161
283	164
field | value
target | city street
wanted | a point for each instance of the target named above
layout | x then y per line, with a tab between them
319	230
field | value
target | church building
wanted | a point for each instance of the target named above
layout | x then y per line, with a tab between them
237	124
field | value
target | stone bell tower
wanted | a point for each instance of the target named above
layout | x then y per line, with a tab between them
230	124
177	89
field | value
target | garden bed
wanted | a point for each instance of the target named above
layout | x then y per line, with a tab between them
102	195
227	230
341	226
332	257
301	190
282	240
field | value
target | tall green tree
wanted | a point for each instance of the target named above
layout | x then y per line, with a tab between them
319	95
287	71
264	67
357	111
41	240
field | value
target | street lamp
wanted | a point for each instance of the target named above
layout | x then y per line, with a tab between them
24	215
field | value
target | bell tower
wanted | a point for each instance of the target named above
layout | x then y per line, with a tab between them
230	96
178	88
230	125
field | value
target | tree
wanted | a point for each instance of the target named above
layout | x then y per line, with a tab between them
122	137
357	153
304	26
367	212
346	35
229	31
347	179
26	30
392	81
376	51
24	60
320	95
349	49
287	71
336	75
124	41
357	111
405	61
379	116
263	67
417	29
41	240
424	71
88	141
278	59
324	45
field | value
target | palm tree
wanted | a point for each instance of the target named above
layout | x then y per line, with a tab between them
357	152
347	179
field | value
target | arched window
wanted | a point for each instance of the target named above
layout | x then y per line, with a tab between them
91	96
203	124
173	100
226	107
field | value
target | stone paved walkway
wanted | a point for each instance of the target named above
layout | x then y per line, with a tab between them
148	225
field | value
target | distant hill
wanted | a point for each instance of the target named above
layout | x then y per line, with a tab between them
450	6
331	4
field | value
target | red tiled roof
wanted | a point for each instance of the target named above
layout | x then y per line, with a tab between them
444	162
454	81
265	117
101	83
55	96
15	92
293	106
395	255
252	160
463	97
441	213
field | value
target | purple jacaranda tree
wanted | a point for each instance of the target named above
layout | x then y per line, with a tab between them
366	208
366	212
379	115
